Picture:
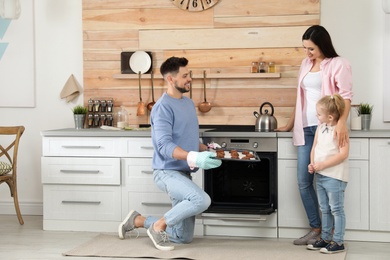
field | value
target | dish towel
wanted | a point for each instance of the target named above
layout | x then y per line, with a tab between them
71	89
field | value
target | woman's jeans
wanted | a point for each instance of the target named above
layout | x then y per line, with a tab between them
305	179
331	198
188	200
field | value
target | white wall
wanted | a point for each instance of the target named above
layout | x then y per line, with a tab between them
58	46
356	27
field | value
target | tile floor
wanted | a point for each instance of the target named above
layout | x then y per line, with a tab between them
30	242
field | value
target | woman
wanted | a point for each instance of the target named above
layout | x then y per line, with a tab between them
321	73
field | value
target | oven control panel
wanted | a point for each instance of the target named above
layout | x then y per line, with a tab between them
255	144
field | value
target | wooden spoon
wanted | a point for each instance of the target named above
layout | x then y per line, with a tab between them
205	106
141	105
150	104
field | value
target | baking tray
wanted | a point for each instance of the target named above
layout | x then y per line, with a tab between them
240	155
125	63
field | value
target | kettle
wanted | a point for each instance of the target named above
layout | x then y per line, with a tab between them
265	122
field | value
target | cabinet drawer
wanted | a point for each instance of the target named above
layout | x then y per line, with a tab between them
137	174
286	149
138	147
82	202
240	220
149	203
73	170
81	146
358	149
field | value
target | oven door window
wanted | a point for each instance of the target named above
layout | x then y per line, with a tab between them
243	186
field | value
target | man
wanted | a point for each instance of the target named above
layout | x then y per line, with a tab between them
177	153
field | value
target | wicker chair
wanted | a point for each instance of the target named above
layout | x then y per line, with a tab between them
9	144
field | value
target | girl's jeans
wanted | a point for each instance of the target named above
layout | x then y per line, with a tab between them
331	198
305	179
188	200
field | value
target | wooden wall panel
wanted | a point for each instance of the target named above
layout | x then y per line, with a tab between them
266	7
264	21
241	38
223	39
124	19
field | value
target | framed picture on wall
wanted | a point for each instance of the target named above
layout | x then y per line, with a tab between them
17	60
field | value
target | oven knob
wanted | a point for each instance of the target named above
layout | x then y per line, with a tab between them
255	145
223	145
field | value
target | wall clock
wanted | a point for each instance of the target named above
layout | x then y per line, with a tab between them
194	5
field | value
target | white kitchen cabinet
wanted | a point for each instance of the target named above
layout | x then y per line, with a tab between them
290	209
291	213
81	184
91	183
379	184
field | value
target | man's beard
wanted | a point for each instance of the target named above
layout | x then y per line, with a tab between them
182	90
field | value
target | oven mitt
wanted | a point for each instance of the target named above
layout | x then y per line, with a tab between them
204	160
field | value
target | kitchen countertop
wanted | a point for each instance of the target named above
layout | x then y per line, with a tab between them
145	132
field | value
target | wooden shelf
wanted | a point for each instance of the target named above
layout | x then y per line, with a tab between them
208	76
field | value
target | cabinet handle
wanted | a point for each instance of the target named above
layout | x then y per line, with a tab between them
147	147
81	147
147	172
235	219
80	171
80	202
156	204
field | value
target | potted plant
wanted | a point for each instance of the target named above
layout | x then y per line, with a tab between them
79	113
364	110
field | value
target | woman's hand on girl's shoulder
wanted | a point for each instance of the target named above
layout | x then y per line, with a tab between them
283	129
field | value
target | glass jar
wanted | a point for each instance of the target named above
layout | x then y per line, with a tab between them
255	67
109	106
262	67
90	105
122	118
271	67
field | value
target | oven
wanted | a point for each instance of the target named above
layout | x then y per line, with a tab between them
239	186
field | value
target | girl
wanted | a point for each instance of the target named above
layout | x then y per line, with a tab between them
329	162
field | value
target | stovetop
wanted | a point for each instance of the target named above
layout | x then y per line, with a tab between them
228	128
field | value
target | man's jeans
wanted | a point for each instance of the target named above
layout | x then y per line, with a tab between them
331	199
305	179
188	200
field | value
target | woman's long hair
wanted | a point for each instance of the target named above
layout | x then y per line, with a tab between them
320	37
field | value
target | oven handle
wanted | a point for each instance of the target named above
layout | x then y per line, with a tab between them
235	219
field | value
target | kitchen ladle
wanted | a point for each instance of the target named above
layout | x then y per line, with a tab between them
141	105
205	106
191	84
151	104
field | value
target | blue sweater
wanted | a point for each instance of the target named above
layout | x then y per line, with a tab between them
174	123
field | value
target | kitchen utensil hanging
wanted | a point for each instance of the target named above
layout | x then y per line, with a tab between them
191	84
141	105
205	106
151	104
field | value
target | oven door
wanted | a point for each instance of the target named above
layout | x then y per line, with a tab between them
243	187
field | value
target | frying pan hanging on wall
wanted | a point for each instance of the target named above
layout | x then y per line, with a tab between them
134	62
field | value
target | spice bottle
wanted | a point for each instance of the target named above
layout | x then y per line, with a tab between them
109	105
271	67
255	67
262	67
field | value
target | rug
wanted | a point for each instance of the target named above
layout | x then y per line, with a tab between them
201	248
